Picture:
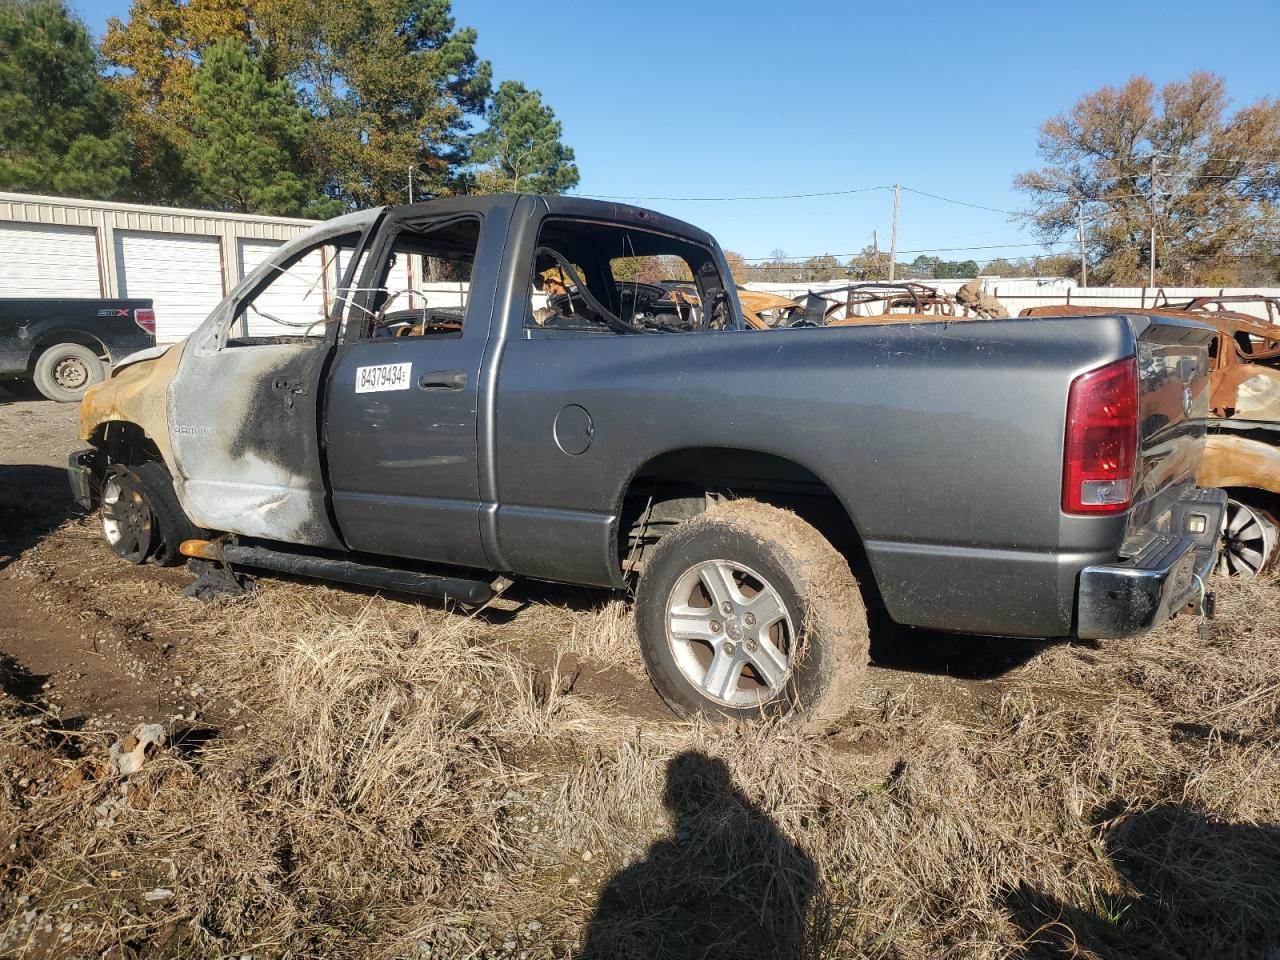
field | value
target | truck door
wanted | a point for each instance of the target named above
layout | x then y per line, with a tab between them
401	414
244	404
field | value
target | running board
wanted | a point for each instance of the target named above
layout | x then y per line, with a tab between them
342	570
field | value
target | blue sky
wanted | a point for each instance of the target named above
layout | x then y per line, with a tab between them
709	99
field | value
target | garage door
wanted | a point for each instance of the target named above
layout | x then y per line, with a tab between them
48	261
295	300
182	274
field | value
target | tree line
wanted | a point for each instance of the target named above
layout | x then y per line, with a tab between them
311	108
276	107
869	265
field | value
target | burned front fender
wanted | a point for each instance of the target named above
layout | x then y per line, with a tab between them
136	394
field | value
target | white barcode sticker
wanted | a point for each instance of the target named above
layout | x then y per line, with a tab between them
384	376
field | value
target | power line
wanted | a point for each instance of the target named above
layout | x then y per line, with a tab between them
790	261
963	203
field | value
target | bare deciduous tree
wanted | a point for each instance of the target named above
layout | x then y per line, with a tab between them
1208	178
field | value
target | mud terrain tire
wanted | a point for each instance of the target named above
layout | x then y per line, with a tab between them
764	548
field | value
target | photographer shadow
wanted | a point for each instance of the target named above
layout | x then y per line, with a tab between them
1194	888
726	884
34	501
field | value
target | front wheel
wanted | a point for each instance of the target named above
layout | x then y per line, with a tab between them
748	611
142	519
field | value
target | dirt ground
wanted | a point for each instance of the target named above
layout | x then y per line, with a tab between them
971	804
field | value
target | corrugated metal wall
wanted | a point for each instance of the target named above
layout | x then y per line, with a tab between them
116	228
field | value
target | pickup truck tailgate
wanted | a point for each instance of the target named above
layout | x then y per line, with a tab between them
1173	404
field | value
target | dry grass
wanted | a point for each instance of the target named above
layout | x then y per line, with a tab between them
410	786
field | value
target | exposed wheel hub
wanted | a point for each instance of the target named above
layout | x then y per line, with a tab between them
730	633
71	373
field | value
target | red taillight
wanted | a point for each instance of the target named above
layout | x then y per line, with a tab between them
1102	439
145	317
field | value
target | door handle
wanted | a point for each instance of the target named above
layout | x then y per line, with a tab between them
443	380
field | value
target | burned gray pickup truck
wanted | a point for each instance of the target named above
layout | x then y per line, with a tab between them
438	397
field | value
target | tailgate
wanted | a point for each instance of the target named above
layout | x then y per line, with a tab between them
1173	405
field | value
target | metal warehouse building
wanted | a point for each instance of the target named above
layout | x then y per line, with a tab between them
184	260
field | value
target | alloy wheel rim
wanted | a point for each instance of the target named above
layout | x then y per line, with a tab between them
1248	541
126	521
730	633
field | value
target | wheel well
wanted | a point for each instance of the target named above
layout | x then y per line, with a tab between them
119	441
67	336
1263	499
680	484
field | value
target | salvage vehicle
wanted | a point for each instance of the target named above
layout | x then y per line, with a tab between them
879	302
859	304
1242	451
66	346
759	489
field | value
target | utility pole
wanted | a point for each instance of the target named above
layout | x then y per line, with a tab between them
411	184
1153	221
893	240
1084	264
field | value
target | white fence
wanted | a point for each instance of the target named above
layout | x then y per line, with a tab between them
1136	297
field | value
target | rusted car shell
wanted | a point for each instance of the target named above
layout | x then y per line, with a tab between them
1242	383
754	303
1237	461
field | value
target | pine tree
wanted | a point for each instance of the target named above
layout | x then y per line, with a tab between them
393	85
58	121
157	51
521	149
246	131
389	85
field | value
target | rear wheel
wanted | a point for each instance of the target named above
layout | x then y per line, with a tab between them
748	611
141	517
66	370
1249	535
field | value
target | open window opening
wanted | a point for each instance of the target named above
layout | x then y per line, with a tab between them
593	277
422	286
298	299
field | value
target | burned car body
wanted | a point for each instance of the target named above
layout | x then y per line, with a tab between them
1020	477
